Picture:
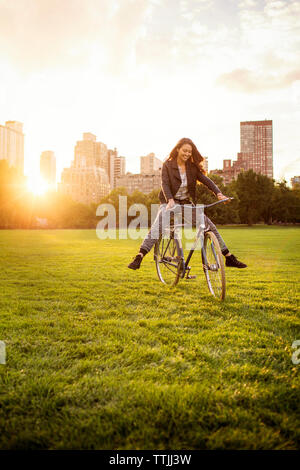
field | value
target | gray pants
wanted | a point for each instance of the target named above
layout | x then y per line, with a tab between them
190	218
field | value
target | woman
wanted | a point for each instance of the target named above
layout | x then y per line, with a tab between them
180	173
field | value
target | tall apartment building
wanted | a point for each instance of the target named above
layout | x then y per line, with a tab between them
150	164
87	180
116	167
256	140
48	167
12	144
256	153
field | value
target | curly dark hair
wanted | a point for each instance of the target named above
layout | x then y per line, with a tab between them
196	157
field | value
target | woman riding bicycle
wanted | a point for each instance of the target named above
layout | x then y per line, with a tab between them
180	173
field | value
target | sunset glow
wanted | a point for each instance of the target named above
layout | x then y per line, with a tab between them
141	74
37	186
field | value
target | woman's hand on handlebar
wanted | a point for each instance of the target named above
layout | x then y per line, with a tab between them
221	196
171	203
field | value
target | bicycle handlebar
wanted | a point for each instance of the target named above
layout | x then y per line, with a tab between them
203	205
218	202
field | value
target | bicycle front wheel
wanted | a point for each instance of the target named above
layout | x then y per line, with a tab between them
213	266
168	259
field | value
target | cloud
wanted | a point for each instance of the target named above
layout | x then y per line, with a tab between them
243	4
247	81
265	55
50	33
275	22
36	34
282	9
119	37
126	27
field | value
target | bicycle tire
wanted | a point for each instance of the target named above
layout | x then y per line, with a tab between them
168	260
214	271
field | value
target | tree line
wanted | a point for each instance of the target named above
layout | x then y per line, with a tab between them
257	199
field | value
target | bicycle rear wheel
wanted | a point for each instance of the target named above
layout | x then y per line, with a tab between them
168	259
214	266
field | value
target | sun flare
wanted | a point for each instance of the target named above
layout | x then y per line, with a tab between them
37	186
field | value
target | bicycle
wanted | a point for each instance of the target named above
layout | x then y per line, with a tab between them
169	258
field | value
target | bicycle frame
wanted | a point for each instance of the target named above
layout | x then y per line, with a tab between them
199	236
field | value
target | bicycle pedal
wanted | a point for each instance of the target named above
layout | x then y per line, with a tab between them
191	277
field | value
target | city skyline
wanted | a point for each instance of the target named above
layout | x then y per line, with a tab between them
134	168
256	145
141	74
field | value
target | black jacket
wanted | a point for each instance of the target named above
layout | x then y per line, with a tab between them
171	181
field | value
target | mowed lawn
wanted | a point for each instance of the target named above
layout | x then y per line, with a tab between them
102	357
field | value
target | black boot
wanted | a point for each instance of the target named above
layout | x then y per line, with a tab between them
136	263
232	262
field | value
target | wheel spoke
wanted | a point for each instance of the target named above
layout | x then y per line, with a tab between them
167	260
216	275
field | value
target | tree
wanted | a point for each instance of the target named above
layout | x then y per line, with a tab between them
152	204
255	193
286	203
221	213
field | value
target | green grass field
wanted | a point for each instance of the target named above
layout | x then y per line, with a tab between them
102	357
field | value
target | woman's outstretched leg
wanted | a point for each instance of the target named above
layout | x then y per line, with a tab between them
161	222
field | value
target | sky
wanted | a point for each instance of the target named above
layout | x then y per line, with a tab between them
141	74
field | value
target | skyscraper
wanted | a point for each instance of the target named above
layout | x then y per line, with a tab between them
89	152
116	167
119	170
256	138
87	180
48	167
12	144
